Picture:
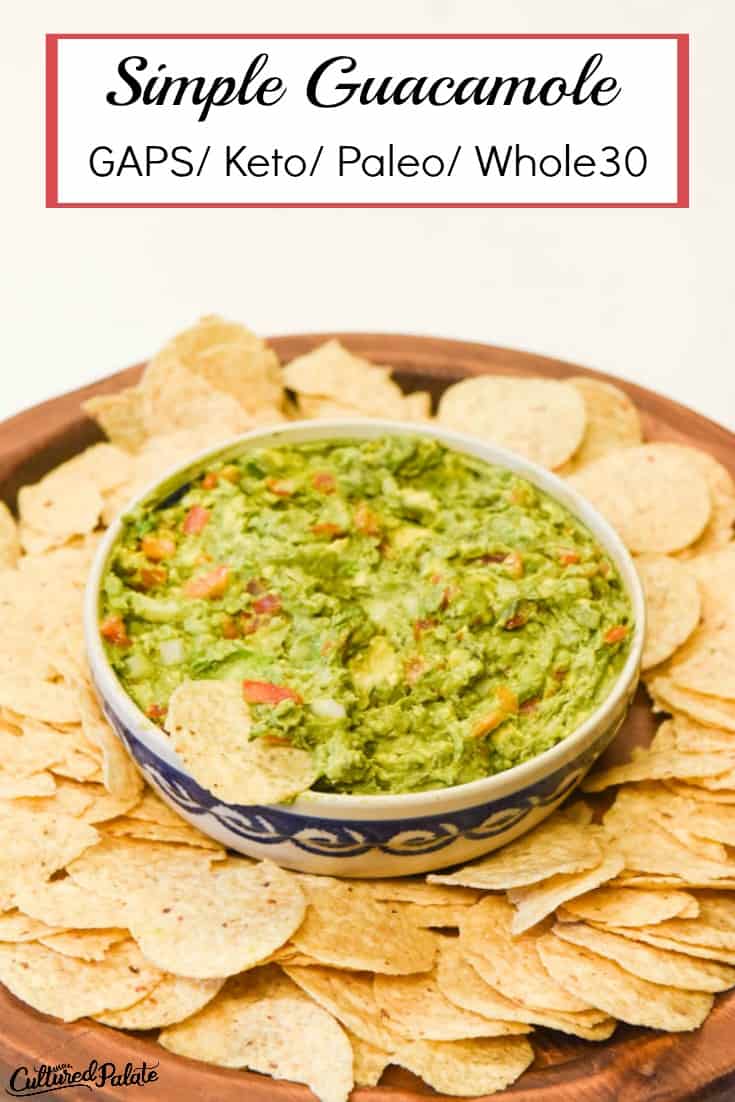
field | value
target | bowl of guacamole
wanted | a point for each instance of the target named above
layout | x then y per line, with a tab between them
421	641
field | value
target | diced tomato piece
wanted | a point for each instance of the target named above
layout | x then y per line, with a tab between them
156	712
113	629
265	692
326	529
210	480
493	556
448	596
413	669
213	584
421	626
324	482
529	705
435	579
281	487
230	473
276	740
366	521
152	576
488	723
615	634
256	586
604	567
560	673
230	629
196	520
507	699
158	548
249	623
518	621
568	556
269	603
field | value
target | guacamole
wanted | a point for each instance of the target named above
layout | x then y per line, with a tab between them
411	616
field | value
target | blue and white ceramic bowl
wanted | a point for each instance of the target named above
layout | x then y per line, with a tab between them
366	836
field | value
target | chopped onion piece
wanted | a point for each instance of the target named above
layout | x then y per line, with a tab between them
326	708
171	652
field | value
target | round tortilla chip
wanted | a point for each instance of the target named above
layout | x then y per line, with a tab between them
556	846
332	374
628	906
69	988
621	994
652	494
541	419
417	1008
9	538
216	921
170	1001
62	505
706	664
476	1067
721	528
512	964
209	722
350	998
712	711
673	606
656	965
613	421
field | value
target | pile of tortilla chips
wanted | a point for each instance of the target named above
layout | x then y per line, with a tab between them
114	908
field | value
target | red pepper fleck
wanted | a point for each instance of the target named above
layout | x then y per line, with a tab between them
276	740
265	692
615	634
196	520
113	629
281	487
366	521
210	480
493	556
568	557
529	705
229	628
256	586
156	712
518	621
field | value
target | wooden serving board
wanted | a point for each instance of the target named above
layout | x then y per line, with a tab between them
636	1065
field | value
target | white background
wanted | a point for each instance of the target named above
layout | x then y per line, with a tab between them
645	294
643	114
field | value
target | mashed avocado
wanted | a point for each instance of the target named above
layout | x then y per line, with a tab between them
413	617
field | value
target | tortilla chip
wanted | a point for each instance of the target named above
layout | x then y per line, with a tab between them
263	1022
215	922
656	965
60	506
44	700
34	784
66	904
420	892
706	664
721	527
541	419
346	928
175	398
230	358
368	1062
673	606
629	906
119	868
651	494
688	948
183	834
619	993
479	1066
120	416
15	926
613	422
9	538
209	722
417	406
708	710
69	798
556	846
84	944
535	902
37	845
69	988
415	1007
648	847
512	964
693	737
119	773
350	998
650	765
170	1001
332	372
460	979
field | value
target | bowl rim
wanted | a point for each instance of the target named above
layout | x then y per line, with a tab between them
398	805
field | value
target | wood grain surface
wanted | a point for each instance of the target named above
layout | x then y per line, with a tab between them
636	1065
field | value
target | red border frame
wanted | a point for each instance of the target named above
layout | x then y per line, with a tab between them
52	124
